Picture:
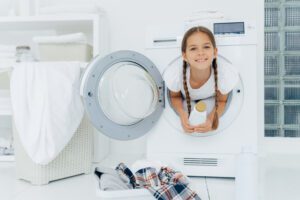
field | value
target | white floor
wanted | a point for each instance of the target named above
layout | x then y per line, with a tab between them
83	187
279	178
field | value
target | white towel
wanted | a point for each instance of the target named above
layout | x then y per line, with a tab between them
8	48
4	69
47	108
7	55
61	39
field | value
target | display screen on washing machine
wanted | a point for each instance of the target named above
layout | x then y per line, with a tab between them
229	28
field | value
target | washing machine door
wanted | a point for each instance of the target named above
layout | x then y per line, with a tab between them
123	94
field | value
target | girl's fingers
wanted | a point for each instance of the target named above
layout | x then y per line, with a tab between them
188	129
200	126
201	130
204	125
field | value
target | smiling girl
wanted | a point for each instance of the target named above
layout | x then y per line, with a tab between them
200	77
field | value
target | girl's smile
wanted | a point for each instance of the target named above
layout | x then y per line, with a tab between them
201	60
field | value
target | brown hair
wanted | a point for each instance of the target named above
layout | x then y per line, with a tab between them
206	31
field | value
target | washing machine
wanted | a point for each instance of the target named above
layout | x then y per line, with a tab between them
125	98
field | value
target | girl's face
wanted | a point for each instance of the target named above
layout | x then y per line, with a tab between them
199	51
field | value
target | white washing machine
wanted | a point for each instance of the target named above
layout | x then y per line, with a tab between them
125	97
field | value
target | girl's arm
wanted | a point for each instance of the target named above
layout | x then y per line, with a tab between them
221	106
176	101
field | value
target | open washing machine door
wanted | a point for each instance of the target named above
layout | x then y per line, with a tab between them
123	94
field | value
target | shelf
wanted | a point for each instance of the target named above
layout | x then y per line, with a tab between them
20	30
79	22
6	112
50	18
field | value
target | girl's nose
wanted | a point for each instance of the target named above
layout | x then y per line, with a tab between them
200	51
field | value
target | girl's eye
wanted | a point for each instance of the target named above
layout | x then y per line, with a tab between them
193	49
207	47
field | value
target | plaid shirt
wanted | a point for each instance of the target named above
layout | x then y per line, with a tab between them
166	185
126	175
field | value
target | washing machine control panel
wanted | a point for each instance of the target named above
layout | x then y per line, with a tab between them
225	28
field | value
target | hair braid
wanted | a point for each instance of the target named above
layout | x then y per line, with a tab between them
187	94
215	122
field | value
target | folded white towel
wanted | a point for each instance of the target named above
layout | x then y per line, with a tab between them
46	105
7	55
61	39
6	65
7	48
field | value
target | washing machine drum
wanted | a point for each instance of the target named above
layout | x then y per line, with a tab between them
232	109
123	94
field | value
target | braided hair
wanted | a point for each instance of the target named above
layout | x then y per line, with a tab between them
190	32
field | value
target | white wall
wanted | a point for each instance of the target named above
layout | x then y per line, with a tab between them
128	20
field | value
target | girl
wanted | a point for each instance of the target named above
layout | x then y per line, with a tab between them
200	77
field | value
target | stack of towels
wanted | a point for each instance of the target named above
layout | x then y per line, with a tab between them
7	56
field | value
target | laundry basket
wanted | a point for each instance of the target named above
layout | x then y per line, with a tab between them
130	194
75	159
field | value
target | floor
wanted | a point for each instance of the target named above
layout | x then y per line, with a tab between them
84	187
279	178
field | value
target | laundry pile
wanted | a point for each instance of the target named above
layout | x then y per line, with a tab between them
163	184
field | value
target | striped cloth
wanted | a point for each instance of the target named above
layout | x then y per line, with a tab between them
174	192
147	177
166	185
126	175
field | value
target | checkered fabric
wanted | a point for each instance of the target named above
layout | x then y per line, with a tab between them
126	175
147	177
167	175
174	192
166	185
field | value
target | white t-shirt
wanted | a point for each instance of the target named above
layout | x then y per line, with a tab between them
228	78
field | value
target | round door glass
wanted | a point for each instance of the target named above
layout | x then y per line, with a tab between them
127	93
232	107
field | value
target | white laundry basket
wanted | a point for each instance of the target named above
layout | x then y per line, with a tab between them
132	194
75	159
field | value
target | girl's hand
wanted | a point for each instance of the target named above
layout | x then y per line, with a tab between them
184	118
205	127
